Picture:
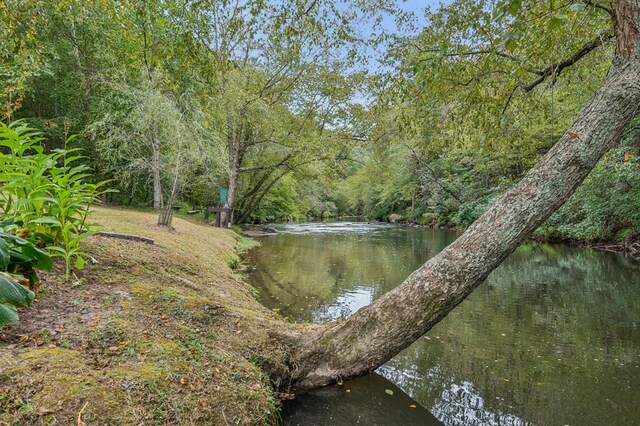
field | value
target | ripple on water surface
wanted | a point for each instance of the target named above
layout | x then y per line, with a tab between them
552	336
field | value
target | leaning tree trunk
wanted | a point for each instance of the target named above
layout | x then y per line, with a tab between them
379	331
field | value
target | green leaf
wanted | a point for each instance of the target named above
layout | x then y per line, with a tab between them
18	257
388	391
13	293
8	314
49	199
79	262
57	251
47	220
4	254
6	222
39	258
514	7
555	22
510	44
43	261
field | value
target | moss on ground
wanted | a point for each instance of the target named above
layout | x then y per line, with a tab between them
151	334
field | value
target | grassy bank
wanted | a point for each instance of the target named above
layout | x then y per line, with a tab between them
150	334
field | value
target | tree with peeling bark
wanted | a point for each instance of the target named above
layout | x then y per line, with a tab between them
326	353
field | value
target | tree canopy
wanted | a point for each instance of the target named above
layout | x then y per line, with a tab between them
287	105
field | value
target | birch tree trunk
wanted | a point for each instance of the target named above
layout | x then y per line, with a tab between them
376	333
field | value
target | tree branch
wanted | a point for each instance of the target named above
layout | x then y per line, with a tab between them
434	175
474	53
556	68
597	5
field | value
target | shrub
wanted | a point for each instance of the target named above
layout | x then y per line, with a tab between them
19	264
46	194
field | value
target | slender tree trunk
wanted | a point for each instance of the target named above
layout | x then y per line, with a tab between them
234	145
165	218
74	40
155	168
376	333
234	171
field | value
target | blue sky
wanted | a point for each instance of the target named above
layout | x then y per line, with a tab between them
416	7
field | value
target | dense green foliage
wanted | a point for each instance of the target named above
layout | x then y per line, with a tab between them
481	94
46	196
20	261
181	98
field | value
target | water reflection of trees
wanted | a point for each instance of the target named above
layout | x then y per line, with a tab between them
553	327
303	273
551	337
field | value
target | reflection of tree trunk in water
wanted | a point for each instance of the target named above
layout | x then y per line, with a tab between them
284	288
373	335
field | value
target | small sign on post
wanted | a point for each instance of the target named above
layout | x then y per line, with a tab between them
224	202
222	211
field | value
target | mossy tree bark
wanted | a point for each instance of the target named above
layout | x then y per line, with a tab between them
379	331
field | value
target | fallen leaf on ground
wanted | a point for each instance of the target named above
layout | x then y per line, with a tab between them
44	411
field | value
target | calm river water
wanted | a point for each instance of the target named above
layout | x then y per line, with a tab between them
552	337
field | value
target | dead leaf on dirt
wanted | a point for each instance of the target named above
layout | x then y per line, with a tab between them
413	406
42	411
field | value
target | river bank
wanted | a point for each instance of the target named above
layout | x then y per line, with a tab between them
151	334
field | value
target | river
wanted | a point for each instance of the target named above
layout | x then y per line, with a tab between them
552	337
